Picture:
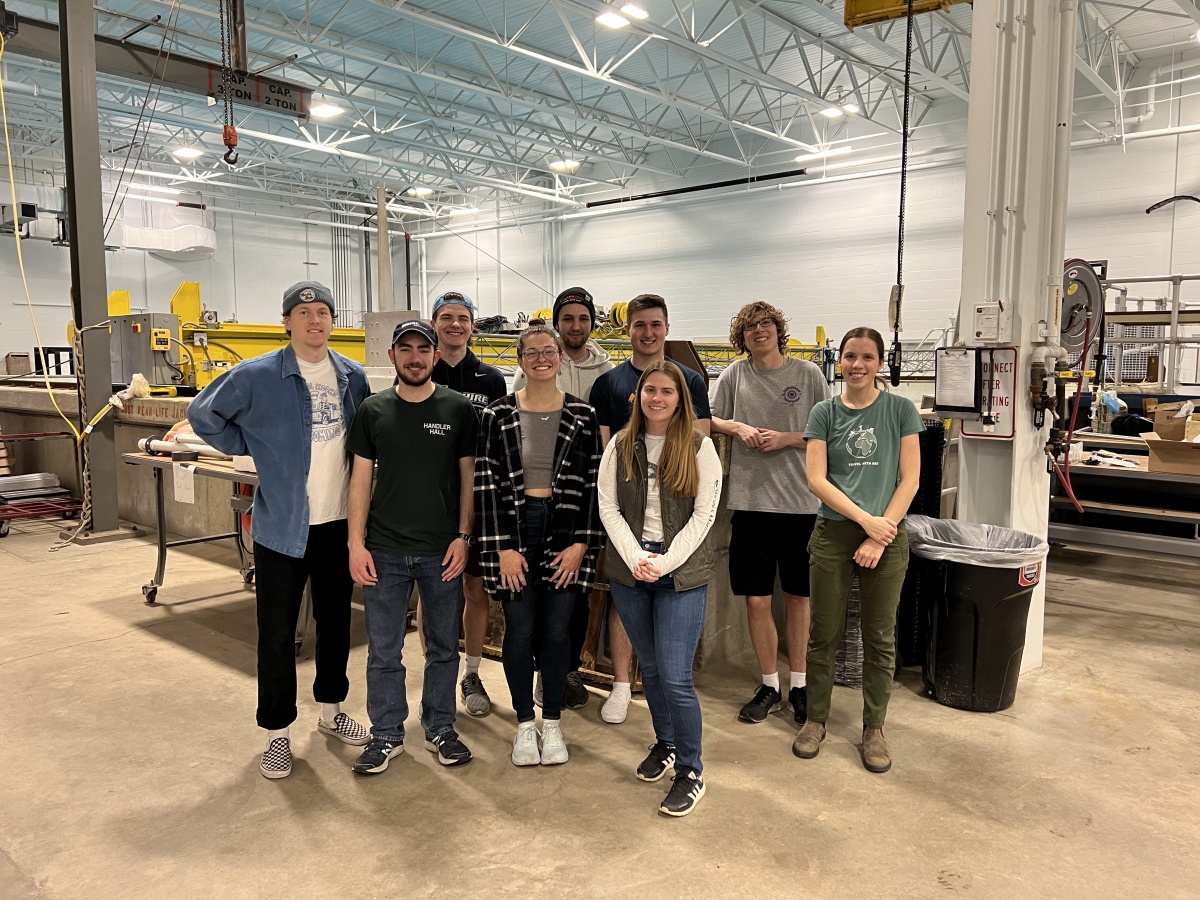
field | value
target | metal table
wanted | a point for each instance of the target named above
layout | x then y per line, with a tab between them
209	468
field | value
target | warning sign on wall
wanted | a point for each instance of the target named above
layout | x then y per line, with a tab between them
1000	383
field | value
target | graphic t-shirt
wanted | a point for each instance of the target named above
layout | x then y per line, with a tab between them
329	466
781	400
414	510
863	447
612	395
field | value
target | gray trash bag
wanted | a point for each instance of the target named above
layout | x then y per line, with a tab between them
991	546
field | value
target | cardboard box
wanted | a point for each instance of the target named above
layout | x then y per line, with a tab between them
1170	428
1172	457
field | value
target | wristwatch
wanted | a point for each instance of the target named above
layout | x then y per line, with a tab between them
469	538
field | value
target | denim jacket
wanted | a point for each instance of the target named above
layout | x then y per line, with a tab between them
261	408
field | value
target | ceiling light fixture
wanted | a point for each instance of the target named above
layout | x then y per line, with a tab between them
153	187
634	11
325	110
419	191
464	211
564	165
832	112
851	109
612	19
840	150
187	153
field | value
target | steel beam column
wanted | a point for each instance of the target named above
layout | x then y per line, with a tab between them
85	229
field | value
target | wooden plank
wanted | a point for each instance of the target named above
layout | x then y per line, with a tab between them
1125	509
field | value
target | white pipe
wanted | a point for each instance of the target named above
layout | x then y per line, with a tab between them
1152	86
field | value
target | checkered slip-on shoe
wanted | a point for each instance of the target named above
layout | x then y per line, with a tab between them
345	729
277	759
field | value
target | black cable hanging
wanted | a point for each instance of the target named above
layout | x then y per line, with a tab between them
897	298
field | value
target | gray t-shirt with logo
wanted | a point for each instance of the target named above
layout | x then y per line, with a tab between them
863	447
781	400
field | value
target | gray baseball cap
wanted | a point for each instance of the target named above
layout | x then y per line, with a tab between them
307	292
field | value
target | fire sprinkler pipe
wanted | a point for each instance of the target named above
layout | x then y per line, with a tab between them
697	187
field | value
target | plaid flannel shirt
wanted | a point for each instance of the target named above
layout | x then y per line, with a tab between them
500	490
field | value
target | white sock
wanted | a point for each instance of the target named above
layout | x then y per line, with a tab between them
771	680
276	733
799	679
621	689
472	665
329	711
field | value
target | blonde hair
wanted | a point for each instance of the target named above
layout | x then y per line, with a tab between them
748	315
677	468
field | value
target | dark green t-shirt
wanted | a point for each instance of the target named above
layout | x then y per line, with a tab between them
414	509
863	448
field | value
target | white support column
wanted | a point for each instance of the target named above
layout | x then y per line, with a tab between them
1018	95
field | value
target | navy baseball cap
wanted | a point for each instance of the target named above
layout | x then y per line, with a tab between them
454	297
420	327
307	292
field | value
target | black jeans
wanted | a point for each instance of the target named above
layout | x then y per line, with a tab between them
542	611
279	585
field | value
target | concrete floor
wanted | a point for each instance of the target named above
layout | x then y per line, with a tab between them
129	756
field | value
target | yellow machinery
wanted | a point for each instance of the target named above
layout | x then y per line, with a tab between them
208	347
871	12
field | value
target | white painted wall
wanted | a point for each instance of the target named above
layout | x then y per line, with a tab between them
825	253
256	259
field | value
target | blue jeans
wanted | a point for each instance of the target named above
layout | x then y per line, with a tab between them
542	614
664	626
386	607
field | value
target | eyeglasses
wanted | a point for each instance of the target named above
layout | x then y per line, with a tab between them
549	355
761	323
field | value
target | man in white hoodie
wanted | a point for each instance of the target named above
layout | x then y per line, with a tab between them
585	360
583	363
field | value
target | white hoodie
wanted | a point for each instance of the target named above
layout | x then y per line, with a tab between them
577	378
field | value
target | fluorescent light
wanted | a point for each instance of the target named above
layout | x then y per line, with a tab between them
187	153
851	109
612	19
840	150
465	211
141	198
564	165
634	11
832	112
326	110
153	187
419	191
1198	35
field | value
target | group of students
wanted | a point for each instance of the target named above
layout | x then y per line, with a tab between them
453	483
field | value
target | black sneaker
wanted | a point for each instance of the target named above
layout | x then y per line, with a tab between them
798	704
375	756
686	790
449	749
474	695
577	695
654	766
766	698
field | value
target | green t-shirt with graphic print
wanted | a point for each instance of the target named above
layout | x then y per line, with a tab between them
863	448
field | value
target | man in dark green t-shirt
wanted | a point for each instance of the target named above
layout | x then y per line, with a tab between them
416	527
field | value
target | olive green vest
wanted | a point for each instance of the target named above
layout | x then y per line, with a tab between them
676	511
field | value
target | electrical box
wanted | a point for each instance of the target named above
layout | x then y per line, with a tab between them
142	343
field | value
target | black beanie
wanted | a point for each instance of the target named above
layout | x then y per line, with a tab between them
574	295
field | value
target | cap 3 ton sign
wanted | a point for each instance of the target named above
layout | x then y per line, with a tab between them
1000	382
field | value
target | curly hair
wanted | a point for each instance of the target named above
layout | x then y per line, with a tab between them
751	313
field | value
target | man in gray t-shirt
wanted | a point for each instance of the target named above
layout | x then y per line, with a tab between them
763	403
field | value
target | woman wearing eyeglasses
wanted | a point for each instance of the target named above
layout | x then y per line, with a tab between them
538	522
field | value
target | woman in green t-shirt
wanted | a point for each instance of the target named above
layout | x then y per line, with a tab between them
864	465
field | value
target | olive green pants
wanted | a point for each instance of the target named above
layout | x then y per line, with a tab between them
832	570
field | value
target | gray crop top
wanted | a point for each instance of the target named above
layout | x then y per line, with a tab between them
539	433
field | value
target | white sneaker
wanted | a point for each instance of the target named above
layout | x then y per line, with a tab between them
525	746
537	691
554	748
616	707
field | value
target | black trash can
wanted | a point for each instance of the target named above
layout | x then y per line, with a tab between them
984	576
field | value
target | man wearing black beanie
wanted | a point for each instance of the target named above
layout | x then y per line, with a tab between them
585	360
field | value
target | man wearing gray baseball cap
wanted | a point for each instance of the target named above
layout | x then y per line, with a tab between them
290	410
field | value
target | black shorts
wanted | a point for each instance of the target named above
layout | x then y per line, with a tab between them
763	542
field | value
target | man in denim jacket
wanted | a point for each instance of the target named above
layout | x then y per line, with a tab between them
290	411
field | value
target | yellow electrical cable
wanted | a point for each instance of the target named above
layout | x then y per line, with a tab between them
12	185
